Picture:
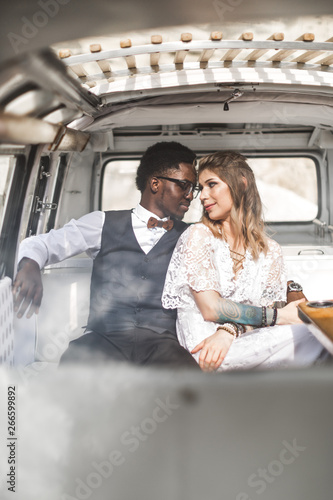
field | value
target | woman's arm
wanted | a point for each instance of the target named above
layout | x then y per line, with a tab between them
214	308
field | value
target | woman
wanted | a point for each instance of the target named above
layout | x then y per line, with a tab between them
226	262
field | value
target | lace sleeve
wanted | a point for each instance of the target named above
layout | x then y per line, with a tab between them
191	266
276	284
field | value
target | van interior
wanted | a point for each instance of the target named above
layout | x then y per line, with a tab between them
78	107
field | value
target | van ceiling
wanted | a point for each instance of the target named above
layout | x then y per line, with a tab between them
27	25
39	85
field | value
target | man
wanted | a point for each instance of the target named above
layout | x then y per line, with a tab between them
126	320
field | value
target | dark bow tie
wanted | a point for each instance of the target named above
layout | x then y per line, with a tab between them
166	224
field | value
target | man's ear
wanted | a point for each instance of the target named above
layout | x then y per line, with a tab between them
154	184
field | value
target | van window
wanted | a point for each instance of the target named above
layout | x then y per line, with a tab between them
287	185
118	185
288	188
6	174
120	193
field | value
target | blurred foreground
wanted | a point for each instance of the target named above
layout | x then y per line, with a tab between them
120	432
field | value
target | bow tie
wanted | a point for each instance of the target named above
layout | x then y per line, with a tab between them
166	224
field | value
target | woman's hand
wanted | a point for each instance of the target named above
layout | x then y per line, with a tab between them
213	350
288	315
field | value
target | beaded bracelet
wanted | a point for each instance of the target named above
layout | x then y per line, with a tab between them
230	328
274	316
240	328
233	328
264	317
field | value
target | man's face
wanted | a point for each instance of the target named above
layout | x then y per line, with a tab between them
174	200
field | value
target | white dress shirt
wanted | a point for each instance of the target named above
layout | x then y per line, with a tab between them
147	238
85	235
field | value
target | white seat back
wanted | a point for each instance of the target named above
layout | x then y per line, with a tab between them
6	323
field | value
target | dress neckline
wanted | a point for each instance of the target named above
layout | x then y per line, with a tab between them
238	261
235	277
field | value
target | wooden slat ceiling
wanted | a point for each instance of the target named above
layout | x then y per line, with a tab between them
106	66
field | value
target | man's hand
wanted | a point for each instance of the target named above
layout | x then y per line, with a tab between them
27	288
213	350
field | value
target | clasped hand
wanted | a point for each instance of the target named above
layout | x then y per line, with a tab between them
213	350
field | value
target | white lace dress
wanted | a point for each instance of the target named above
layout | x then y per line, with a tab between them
202	262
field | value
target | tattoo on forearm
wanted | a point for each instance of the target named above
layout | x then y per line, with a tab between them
227	310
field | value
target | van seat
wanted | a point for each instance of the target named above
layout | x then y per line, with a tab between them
312	267
65	306
6	322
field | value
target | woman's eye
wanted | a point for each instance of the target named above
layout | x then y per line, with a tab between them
212	184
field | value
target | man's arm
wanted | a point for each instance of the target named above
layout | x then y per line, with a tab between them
77	236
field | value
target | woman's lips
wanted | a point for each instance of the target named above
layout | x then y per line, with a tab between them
209	207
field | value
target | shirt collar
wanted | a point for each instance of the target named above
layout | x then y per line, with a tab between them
144	214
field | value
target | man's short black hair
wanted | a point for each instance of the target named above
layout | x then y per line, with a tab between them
160	158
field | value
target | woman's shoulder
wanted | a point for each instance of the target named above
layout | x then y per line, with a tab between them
196	234
273	246
200	226
199	229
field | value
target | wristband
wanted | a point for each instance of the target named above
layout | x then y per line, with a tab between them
274	316
264	317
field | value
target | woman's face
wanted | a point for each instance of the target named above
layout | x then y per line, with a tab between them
215	196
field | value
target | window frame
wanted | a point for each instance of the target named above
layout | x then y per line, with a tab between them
10	230
313	155
8	184
299	154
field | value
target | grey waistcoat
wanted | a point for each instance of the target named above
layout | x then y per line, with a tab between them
126	284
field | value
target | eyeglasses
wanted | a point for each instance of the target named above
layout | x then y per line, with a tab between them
187	186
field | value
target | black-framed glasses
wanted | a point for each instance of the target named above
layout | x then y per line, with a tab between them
187	186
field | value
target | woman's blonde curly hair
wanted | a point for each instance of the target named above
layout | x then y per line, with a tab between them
246	213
